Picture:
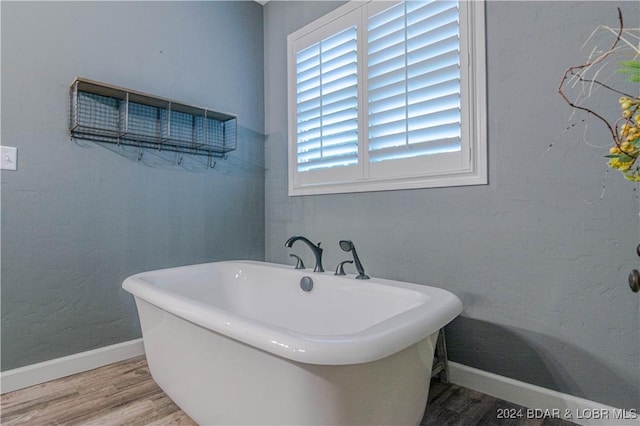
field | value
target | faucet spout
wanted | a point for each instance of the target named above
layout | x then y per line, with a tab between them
317	251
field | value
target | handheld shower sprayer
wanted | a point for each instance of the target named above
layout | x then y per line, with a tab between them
348	246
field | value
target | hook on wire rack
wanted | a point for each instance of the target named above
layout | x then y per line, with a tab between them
140	153
180	160
210	163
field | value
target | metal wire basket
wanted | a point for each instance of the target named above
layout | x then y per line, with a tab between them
106	113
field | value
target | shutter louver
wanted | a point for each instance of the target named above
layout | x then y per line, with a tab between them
414	80
327	103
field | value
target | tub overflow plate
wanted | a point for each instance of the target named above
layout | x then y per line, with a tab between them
306	283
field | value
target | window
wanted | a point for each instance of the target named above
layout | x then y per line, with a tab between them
388	95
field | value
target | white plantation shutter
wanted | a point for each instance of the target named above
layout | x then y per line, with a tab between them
413	79
327	102
388	95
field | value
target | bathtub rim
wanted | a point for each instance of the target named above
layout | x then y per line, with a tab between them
370	344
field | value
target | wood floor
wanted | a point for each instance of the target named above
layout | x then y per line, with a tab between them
450	405
125	394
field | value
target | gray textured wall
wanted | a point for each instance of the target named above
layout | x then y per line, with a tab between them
78	217
540	256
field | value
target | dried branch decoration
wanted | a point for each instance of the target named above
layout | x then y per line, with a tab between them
625	130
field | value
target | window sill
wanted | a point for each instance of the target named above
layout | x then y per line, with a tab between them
461	179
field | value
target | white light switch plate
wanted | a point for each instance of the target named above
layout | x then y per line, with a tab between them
8	158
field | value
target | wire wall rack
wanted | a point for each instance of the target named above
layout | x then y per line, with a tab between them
104	113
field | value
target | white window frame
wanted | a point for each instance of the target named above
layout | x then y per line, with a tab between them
472	171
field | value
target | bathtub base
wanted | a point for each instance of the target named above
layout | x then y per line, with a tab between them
218	380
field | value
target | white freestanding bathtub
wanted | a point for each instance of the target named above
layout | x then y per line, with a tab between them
240	342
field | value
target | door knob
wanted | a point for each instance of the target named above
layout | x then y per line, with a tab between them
634	280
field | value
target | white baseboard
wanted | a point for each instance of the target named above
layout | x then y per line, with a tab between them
41	372
540	401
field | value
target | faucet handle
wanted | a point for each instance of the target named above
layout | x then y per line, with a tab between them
340	267
299	263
